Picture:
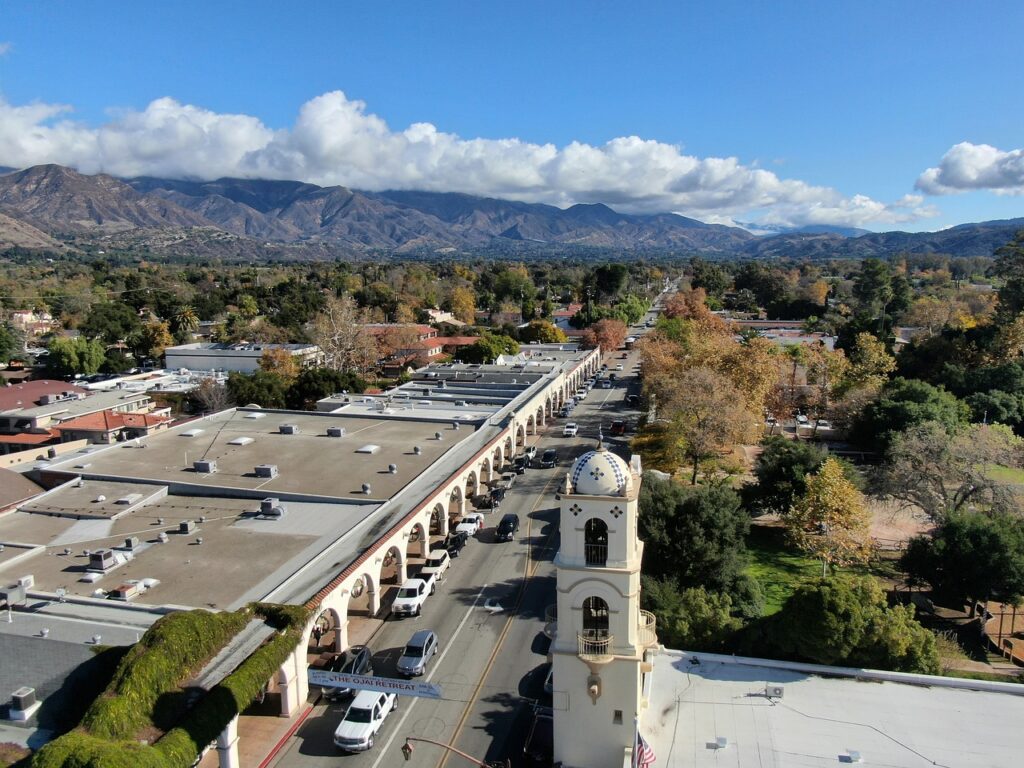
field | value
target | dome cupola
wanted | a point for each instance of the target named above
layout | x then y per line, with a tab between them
600	473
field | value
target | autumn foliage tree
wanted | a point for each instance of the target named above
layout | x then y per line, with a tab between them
831	521
608	334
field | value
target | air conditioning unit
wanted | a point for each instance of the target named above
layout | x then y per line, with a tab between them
774	691
205	466
266	470
268	504
132	542
335	431
289	429
186	526
101	560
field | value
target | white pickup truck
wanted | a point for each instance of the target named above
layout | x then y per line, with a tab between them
411	596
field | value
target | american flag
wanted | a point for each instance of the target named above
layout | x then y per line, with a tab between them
643	755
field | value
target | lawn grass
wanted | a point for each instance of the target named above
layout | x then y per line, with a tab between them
780	568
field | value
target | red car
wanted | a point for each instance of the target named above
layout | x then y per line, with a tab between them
618	427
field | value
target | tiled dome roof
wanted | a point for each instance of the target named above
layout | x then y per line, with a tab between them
600	473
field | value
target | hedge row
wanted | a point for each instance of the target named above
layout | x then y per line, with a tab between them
180	746
172	649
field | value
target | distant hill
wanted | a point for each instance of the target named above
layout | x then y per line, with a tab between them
290	219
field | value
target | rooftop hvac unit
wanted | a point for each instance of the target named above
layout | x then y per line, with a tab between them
366	488
774	691
289	429
23	698
101	560
266	470
205	466
335	431
186	526
132	542
124	592
272	508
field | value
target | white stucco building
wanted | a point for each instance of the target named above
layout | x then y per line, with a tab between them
602	638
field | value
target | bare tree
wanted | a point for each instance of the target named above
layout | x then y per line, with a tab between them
211	396
339	332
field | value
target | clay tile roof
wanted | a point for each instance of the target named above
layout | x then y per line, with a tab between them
108	421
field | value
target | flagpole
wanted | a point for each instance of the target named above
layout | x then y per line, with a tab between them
636	742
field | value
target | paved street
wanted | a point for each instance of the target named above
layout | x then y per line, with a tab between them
491	663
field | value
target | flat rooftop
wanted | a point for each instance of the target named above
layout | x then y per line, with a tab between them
229	557
310	463
407	404
822	719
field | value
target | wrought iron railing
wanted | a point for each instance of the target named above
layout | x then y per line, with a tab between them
647	629
596	554
595	646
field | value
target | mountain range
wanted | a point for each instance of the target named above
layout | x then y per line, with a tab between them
53	207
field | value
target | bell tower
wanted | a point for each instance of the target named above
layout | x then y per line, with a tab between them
600	636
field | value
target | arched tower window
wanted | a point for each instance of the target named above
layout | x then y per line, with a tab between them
595	542
595	619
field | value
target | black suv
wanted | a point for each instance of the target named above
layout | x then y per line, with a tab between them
520	464
455	541
356	660
507	528
549	458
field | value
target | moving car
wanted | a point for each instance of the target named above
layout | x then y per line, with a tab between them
421	646
570	429
632	400
619	367
606	383
618	427
363	719
356	660
470	524
549	458
507	528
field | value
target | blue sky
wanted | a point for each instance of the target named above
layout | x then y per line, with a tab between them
886	115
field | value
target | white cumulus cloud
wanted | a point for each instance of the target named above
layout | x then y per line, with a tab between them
336	140
966	167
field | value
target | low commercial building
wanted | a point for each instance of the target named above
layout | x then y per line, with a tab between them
240	358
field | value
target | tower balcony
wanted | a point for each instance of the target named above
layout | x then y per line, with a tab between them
647	630
551	621
596	555
595	647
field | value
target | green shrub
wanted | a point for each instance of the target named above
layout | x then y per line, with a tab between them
172	649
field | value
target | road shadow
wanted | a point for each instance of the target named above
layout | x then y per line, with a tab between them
540	592
507	721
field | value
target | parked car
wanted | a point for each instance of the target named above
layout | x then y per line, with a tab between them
356	660
363	719
455	541
824	424
623	356
801	419
507	528
564	412
470	524
612	377
520	464
619	367
411	596
540	741
570	429
549	458
549	680
618	427
606	383
632	400
437	564
421	646
530	452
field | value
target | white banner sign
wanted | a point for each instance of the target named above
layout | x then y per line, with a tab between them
383	684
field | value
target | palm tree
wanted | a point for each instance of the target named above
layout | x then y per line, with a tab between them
185	319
